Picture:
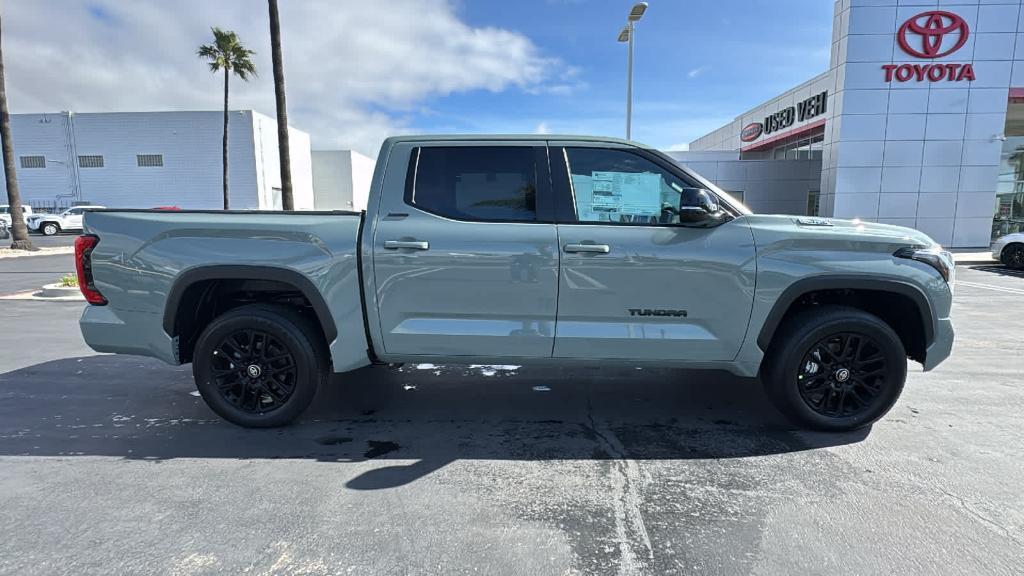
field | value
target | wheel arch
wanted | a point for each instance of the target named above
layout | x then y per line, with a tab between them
194	283
851	290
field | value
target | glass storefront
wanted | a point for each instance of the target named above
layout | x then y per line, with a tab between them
807	149
1009	209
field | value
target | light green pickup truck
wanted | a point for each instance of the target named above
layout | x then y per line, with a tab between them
526	250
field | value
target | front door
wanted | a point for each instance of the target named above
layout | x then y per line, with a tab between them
73	218
634	282
466	261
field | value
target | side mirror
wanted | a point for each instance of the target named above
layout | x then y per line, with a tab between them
698	207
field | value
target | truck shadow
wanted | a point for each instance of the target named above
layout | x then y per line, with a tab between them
424	417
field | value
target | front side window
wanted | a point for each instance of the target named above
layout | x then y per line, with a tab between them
621	187
490	183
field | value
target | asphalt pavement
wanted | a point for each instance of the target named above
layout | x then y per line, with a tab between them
111	464
30	272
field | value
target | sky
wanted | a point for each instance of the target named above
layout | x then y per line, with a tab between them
359	71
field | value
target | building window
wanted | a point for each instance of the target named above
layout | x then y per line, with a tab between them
1009	215
33	161
150	160
495	183
813	202
95	161
737	194
808	149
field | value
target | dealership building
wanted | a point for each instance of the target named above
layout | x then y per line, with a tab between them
919	121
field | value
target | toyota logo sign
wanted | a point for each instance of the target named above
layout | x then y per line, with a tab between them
933	34
751	132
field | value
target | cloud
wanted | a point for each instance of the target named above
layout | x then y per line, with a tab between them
694	72
542	128
356	72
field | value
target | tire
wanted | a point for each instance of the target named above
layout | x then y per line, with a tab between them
287	350
810	379
49	228
1013	256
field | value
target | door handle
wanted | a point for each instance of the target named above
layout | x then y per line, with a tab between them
590	248
406	244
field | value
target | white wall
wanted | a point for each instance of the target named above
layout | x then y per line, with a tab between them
768	186
341	179
190	143
268	163
362	174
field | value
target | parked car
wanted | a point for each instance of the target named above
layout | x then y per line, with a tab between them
68	220
1010	250
5	213
520	250
5	232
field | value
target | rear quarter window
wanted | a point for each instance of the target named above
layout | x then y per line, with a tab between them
486	183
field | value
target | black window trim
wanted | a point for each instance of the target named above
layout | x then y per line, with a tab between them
542	175
565	212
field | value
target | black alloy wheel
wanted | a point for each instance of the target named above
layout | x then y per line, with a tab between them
260	365
834	368
253	371
842	375
1013	256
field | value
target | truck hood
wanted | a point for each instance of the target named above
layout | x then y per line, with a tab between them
770	228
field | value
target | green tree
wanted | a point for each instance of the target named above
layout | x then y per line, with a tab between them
227	54
287	200
19	232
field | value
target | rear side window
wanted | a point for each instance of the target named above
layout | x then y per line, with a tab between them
489	183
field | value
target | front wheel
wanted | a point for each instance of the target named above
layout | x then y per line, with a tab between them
835	368
260	365
1013	256
49	228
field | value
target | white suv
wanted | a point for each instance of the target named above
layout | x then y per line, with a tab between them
5	213
1010	250
50	224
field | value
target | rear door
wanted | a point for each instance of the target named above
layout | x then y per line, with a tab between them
634	283
465	252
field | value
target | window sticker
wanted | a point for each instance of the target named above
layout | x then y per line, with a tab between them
617	196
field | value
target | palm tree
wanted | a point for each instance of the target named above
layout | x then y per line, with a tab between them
228	54
287	201
19	232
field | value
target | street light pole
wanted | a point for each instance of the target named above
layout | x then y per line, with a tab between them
629	81
627	35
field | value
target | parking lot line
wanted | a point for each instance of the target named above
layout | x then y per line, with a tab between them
990	287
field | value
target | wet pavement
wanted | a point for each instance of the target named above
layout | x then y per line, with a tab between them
113	465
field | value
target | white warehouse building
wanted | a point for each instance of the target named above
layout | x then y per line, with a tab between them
151	159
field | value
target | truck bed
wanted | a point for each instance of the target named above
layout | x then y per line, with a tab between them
146	258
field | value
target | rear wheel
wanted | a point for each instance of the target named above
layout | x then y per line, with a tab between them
1013	256
49	228
835	368
259	365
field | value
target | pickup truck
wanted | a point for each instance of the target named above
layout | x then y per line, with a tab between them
526	250
50	224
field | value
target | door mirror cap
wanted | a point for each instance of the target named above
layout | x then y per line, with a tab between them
698	207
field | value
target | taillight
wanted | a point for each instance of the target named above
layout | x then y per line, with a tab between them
83	265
